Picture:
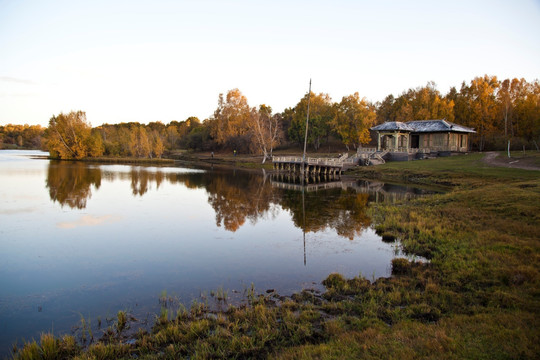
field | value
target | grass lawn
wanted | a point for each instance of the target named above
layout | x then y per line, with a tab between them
463	170
478	296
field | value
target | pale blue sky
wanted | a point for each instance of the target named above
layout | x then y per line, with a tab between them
167	60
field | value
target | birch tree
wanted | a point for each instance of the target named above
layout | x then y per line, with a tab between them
265	128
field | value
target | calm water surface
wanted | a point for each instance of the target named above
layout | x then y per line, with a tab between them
88	240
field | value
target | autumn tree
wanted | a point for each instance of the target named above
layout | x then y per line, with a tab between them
181	130
172	136
265	128
422	103
25	136
139	143
321	114
385	110
189	124
510	94
157	145
156	127
527	113
478	108
352	120
403	109
69	136
427	103
231	121
95	144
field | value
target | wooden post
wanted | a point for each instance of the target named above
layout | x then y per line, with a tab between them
307	125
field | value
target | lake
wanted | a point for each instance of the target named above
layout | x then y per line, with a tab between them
86	240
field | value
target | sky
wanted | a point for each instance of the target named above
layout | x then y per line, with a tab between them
145	61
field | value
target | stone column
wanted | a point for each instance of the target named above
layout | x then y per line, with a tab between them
408	138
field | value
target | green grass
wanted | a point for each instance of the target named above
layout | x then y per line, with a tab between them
478	296
121	321
463	170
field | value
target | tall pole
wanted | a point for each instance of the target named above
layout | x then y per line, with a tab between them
304	222
307	125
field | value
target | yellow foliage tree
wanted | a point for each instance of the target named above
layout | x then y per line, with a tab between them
158	146
352	120
139	144
69	136
232	117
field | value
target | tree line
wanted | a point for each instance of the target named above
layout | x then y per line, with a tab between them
499	111
21	136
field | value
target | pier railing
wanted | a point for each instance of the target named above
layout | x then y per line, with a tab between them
404	149
312	161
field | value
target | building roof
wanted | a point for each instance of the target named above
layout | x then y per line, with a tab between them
392	126
423	126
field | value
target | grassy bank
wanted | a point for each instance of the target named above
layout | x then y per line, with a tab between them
129	160
478	297
246	161
457	171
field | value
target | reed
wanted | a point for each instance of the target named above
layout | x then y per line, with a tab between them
121	322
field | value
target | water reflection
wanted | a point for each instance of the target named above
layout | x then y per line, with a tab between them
70	183
378	191
101	238
237	197
345	212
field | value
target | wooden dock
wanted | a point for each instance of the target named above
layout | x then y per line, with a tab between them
312	166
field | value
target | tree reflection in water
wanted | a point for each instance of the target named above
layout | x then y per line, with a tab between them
342	210
239	197
236	197
70	183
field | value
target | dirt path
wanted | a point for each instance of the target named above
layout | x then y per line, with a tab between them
493	158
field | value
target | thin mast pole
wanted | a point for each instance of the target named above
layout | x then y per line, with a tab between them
304	223
305	138
303	174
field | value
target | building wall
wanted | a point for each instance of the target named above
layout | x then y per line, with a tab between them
444	142
456	142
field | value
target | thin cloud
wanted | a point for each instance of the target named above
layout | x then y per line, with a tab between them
21	95
16	80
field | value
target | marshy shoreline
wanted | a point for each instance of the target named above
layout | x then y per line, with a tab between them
477	297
